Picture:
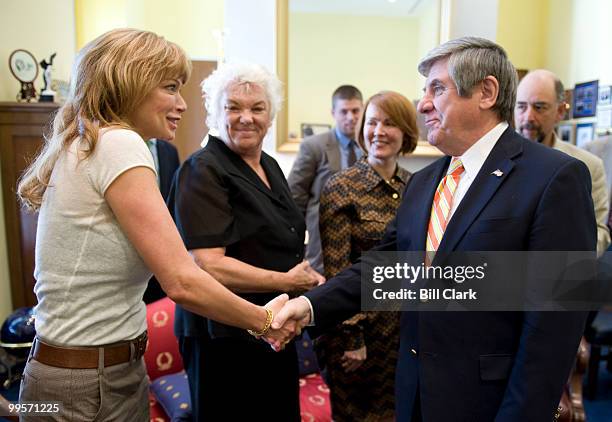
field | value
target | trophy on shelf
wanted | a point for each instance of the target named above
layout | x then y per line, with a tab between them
23	67
47	94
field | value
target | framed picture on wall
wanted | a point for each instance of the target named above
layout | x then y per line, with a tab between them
585	99
604	95
585	132
565	132
604	117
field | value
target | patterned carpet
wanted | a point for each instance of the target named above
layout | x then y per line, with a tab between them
314	399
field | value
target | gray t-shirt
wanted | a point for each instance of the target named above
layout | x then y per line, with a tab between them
90	278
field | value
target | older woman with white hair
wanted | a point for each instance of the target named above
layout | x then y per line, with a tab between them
234	210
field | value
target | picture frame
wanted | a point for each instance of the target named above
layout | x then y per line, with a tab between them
585	99
310	129
604	95
565	132
24	67
604	117
585	133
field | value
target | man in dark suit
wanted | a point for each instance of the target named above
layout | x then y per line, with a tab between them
166	161
508	194
320	157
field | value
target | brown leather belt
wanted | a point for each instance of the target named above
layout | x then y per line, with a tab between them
87	357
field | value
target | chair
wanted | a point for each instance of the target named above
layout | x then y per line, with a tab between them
163	360
165	369
571	407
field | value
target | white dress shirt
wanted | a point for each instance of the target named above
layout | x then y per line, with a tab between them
472	160
152	144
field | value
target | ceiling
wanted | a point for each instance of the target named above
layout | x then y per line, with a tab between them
397	8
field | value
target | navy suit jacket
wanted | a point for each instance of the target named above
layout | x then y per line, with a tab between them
168	159
485	366
168	163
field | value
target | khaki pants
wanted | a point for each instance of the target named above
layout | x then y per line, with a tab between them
114	393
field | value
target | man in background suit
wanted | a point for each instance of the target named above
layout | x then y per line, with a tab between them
166	161
602	148
509	194
321	156
540	105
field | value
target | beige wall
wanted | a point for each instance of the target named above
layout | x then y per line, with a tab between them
569	37
42	28
372	53
522	29
189	23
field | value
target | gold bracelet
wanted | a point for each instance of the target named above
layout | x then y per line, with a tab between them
267	325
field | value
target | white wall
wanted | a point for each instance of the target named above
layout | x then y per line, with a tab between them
580	35
473	17
252	37
429	35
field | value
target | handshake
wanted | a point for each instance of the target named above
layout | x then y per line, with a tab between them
290	317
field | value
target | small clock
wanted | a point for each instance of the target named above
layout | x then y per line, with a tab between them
24	67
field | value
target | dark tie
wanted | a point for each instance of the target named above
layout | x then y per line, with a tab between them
351	157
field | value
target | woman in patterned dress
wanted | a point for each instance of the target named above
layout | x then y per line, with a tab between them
356	206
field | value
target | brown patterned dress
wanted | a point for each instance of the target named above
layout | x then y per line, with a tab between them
356	206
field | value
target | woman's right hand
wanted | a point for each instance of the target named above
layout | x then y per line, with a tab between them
353	359
303	277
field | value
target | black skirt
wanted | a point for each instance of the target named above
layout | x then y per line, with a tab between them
241	379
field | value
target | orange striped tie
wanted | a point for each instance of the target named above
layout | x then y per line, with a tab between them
442	204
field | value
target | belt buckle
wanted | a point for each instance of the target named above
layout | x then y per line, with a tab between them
141	345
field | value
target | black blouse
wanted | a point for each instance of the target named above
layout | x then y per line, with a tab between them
217	200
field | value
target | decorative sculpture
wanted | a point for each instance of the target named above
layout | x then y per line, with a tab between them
47	94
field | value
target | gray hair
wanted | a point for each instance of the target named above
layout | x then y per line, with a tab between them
215	85
470	61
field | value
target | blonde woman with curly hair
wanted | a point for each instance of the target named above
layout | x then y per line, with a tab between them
103	228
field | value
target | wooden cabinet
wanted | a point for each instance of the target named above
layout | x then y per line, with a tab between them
21	135
192	128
